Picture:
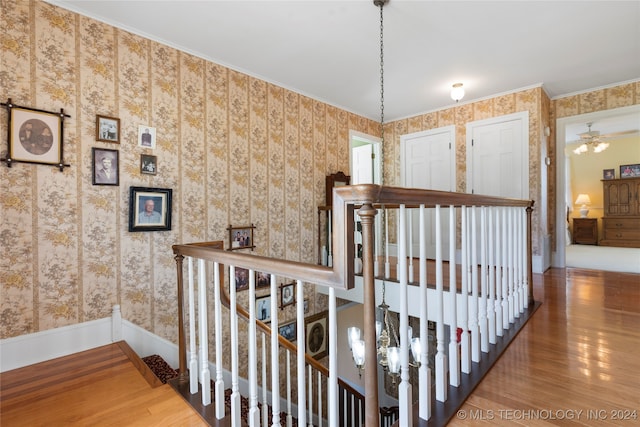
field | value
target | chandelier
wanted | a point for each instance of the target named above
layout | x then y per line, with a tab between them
387	343
592	140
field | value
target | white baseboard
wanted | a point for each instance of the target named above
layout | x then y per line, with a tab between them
25	350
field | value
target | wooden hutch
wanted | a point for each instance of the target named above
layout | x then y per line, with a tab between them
621	221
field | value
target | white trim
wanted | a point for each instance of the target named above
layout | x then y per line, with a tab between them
593	89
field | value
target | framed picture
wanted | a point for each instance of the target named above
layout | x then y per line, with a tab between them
148	164
241	237
263	279
629	171
149	209
306	306
105	169
35	136
146	137
289	331
316	335
241	279
287	294
263	308
107	129
609	174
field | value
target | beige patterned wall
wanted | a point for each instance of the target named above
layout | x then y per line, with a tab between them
234	149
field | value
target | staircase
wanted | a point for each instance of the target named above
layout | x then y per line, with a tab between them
493	302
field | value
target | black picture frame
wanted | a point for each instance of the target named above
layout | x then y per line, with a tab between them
105	166
289	331
107	129
148	164
159	217
263	308
241	237
34	136
263	280
287	294
241	278
608	174
316	335
630	171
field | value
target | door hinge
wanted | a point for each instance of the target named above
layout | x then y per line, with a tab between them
373	155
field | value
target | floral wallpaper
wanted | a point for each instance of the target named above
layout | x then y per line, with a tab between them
234	149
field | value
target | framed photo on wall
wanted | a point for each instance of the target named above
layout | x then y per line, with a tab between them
148	164
287	294
107	129
629	171
288	331
105	166
146	137
608	174
35	136
149	209
263	308
241	237
241	278
316	335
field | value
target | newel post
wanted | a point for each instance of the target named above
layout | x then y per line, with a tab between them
529	256
367	215
182	343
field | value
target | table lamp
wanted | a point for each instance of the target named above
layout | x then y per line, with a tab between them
583	200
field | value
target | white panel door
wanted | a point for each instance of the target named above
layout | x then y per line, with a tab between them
362	157
498	157
428	162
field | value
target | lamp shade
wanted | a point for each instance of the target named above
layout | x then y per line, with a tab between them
583	199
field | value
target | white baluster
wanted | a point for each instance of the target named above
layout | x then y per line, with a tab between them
454	353
193	359
265	402
404	389
465	346
425	372
275	353
491	304
473	312
482	309
441	357
330	239
254	411
219	384
320	398
525	268
302	398
205	376
310	397
410	240
233	323
499	268
505	270
332	384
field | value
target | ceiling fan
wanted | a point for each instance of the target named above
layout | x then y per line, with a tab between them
595	140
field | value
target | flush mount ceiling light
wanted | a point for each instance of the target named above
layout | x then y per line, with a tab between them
457	92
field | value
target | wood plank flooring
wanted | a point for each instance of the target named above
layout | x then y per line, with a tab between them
576	362
98	387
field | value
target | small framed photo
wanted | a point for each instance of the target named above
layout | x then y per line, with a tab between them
241	237
263	308
149	209
288	331
107	129
105	170
148	164
287	294
316	335
629	171
35	136
241	278
608	174
263	280
146	137
306	306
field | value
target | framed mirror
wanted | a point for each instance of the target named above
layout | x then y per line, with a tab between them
335	180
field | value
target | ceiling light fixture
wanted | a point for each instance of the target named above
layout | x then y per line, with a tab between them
457	92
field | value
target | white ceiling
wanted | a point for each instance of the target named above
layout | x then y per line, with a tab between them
329	50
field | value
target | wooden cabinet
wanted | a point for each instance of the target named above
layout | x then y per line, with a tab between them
621	221
585	231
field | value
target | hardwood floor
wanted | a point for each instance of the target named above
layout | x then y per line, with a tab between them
577	358
576	362
98	387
